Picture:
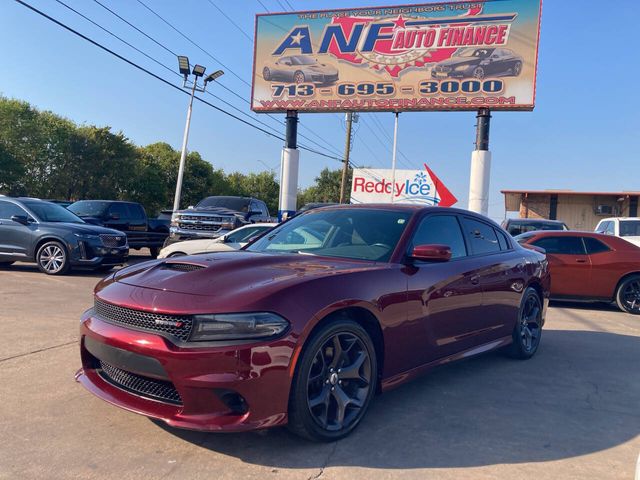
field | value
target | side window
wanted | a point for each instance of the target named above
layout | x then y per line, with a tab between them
441	229
611	228
480	236
136	212
120	210
502	241
561	245
595	246
603	226
8	210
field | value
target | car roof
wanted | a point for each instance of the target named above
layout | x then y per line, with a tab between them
618	218
617	243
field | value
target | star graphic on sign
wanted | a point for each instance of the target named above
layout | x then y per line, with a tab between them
399	22
296	38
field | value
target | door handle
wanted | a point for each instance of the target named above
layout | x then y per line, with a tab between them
475	280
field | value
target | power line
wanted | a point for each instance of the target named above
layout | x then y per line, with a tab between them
157	77
231	20
263	6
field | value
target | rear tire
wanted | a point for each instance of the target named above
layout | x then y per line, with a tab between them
528	329
52	258
628	295
334	383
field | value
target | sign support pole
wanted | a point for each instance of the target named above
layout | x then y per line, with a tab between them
289	162
393	161
480	165
347	151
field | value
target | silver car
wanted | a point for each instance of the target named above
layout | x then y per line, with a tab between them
300	69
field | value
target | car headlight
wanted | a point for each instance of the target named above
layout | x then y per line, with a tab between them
174	219
237	326
86	236
461	67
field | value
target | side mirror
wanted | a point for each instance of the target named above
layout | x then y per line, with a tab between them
22	219
431	253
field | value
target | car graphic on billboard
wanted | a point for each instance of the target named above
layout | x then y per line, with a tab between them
300	69
480	63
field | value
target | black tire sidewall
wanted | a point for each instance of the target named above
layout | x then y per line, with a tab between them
300	420
65	267
154	251
621	289
517	349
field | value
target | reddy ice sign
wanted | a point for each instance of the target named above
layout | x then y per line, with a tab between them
439	56
420	187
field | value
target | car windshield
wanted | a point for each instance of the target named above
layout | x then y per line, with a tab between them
476	52
303	60
232	203
247	233
356	233
86	208
50	212
630	228
523	237
516	228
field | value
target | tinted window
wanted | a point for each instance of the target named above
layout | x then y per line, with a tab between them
561	245
8	210
602	227
502	240
232	203
136	212
629	228
516	227
121	210
480	236
443	230
357	233
594	245
244	234
86	208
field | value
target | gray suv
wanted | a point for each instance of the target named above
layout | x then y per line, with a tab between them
33	230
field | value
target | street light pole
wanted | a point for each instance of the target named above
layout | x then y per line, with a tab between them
183	155
198	71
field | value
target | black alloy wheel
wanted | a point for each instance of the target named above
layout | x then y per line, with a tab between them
528	329
334	384
478	73
628	295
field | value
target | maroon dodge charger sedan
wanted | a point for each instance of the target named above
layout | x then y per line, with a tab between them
306	323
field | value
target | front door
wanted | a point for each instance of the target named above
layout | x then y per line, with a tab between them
569	265
15	238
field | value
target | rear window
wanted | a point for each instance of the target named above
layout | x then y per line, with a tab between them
518	227
595	246
481	237
629	228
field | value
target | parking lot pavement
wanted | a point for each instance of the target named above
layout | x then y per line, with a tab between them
570	413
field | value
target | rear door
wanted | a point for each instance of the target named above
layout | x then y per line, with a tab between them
501	275
569	265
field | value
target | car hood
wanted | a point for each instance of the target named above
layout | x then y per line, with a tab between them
210	210
456	61
81	228
225	274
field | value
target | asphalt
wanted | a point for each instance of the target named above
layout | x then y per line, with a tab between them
572	412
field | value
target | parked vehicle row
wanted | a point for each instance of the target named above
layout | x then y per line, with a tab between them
305	324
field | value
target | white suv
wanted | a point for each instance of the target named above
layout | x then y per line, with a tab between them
625	227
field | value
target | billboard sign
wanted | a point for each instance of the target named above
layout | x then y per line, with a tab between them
421	187
438	56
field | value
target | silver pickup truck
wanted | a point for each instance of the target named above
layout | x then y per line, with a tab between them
215	216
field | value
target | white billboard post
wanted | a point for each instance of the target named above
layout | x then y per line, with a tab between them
480	166
289	162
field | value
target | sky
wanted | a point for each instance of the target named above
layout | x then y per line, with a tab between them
584	133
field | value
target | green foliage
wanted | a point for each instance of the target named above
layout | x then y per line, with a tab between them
47	156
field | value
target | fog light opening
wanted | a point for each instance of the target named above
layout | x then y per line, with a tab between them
233	400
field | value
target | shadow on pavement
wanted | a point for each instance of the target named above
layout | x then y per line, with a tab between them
579	395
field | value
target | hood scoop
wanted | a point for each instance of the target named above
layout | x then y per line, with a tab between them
182	267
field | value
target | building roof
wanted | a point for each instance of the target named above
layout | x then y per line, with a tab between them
568	192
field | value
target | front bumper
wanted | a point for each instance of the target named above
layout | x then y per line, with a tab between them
221	388
93	254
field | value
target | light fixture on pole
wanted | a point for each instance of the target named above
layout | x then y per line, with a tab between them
198	71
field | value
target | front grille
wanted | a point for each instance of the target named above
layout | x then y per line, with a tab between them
145	387
113	241
201	218
182	267
178	326
199	227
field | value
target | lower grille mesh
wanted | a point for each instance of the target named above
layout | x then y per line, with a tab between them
145	387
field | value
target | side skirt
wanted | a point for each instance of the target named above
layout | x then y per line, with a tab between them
397	380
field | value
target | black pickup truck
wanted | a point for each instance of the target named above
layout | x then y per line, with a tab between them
127	217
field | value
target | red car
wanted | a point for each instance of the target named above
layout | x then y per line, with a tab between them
306	323
590	266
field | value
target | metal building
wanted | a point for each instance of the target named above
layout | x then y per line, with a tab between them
579	210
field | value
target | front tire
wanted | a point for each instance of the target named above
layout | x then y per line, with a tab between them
334	383
628	295
154	251
298	77
478	73
528	329
52	258
517	69
266	74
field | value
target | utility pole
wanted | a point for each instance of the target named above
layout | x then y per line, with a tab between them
393	159
350	117
480	165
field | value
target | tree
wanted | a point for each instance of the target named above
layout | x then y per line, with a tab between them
326	188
